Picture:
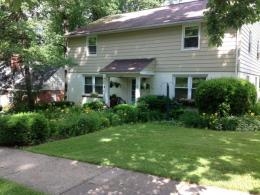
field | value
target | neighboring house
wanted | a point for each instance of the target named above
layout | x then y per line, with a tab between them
145	50
48	82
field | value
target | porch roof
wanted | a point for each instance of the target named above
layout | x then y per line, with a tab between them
136	66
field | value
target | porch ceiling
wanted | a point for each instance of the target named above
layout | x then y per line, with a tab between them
142	66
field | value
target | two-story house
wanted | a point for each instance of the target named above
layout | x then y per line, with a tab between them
141	52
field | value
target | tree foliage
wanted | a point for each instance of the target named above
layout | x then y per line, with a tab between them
223	15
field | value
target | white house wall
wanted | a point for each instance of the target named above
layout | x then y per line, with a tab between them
160	80
249	64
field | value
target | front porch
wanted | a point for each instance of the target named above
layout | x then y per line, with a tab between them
127	79
128	88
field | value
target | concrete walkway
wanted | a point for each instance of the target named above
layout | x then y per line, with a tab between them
60	176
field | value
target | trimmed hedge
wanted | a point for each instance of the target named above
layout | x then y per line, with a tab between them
23	129
225	96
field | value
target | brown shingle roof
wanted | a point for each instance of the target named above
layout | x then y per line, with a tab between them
167	15
127	65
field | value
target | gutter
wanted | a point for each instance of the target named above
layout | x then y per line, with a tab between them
134	28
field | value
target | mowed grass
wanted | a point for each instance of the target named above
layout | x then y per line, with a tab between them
225	159
11	188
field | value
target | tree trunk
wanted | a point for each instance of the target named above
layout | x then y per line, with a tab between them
28	84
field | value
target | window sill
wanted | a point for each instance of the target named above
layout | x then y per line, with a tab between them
91	55
190	49
90	96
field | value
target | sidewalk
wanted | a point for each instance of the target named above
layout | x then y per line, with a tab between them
61	176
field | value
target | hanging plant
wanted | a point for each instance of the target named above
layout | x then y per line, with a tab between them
117	84
111	84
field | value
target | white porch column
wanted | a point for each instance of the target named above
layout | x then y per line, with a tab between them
106	90
137	88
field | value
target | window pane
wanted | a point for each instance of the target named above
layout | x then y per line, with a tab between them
88	80
192	42
99	89
92	49
92	41
196	81
88	89
99	81
181	82
191	31
181	93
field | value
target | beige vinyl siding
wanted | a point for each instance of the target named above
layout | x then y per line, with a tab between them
164	44
248	61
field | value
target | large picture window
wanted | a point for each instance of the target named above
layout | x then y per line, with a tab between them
191	37
93	84
185	86
92	45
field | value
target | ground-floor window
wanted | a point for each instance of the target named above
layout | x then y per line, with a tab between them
93	84
185	86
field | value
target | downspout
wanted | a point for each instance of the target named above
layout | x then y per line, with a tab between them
237	52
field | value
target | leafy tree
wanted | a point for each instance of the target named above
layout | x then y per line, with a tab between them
223	15
22	32
136	5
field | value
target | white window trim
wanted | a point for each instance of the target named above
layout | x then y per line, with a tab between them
183	36
87	46
189	87
93	84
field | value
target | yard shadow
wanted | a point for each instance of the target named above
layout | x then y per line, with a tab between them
194	162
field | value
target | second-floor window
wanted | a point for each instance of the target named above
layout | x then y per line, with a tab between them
92	45
93	84
191	37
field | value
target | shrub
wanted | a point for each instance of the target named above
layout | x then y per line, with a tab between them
95	105
226	96
113	118
127	113
154	102
193	119
256	108
23	129
248	123
53	105
75	124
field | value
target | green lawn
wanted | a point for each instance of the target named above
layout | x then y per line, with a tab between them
224	159
10	188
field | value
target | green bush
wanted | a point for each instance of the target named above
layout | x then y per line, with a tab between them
53	105
154	102
127	113
193	119
113	118
23	129
248	123
225	96
95	105
75	124
256	108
